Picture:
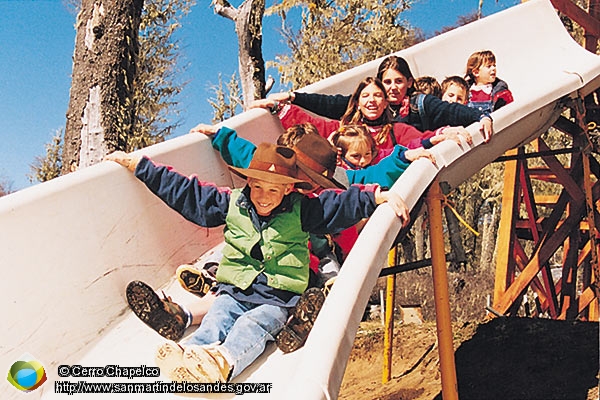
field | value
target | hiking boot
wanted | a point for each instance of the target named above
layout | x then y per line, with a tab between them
163	315
206	363
198	282
296	330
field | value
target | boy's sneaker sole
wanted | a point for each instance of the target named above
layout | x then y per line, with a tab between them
296	330
164	316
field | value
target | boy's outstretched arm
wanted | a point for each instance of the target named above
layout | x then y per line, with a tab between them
335	210
396	202
202	203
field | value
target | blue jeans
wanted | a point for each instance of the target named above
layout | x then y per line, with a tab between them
242	328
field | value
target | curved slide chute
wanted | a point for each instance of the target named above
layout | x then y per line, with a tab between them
71	245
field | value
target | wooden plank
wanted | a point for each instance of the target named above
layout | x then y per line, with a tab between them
536	284
564	177
567	126
550	242
529	202
545	200
506	237
571	10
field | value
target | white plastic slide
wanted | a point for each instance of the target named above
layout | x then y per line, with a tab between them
70	246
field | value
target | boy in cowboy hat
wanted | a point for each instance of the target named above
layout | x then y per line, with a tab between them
316	159
264	268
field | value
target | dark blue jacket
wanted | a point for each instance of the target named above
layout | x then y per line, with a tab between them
206	205
427	112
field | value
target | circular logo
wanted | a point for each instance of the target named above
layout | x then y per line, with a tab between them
26	375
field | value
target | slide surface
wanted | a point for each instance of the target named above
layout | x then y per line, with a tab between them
70	246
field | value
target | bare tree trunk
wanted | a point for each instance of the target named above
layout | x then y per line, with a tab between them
419	237
100	110
488	242
408	249
248	27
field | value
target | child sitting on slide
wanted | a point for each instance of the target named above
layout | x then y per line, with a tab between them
487	92
455	90
358	149
428	85
264	268
171	319
367	106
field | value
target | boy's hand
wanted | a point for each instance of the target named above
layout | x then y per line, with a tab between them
125	159
205	128
396	202
486	128
414	154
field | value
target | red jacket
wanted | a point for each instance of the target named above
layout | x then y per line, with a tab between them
405	135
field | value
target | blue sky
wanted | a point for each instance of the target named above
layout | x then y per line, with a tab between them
36	46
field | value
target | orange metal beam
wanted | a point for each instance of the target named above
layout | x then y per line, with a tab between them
390	301
530	209
585	299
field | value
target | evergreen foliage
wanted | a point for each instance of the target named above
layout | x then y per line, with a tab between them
338	35
157	82
227	99
47	167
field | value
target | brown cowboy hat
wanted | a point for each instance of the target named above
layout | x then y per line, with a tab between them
317	158
272	163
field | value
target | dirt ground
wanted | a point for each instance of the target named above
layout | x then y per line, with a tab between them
504	359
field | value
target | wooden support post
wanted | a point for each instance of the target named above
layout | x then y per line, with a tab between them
440	292
505	263
586	145
390	300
